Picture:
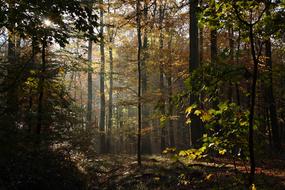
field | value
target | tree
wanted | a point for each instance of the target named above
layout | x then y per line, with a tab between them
161	79
196	128
89	82
138	25
250	26
102	82
90	71
146	144
111	34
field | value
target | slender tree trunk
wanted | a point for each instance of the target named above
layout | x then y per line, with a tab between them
170	110
146	142
196	125
161	80
170	104
252	106
102	82
231	46
110	106
237	62
90	85
81	100
194	59
214	51
138	22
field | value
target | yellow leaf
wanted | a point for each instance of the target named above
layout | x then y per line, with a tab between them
182	153
197	112
222	152
190	108
206	117
253	187
209	177
188	121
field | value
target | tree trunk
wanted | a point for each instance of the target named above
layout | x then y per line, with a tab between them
102	82
89	95
237	62
196	125
252	106
170	104
161	81
146	142
110	105
231	46
138	22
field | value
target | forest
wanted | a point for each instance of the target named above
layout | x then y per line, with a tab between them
142	94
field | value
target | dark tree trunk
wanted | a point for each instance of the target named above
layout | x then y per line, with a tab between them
146	142
252	106
231	46
237	62
138	22
170	104
196	125
161	80
110	105
102	83
89	83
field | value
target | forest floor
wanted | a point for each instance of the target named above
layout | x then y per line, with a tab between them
163	173
26	166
